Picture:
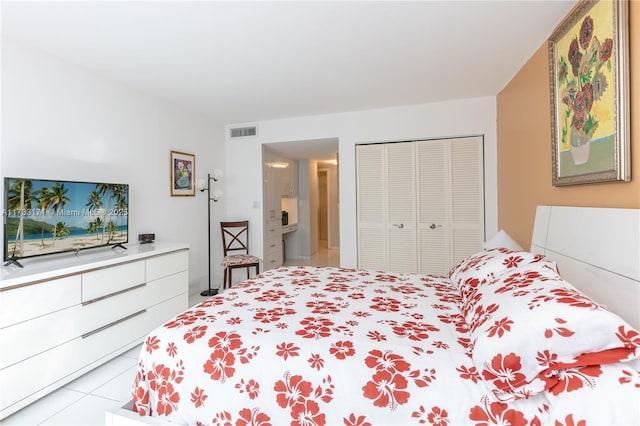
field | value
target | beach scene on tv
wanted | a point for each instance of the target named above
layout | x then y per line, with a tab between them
45	217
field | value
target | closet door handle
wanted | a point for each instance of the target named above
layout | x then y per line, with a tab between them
398	226
434	226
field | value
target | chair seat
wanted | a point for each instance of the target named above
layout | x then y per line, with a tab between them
240	259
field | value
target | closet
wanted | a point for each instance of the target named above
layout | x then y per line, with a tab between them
420	204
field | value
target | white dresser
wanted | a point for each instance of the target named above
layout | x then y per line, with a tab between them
65	315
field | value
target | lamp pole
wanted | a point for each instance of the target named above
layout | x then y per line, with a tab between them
209	291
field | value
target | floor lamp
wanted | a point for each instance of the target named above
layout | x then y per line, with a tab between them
215	196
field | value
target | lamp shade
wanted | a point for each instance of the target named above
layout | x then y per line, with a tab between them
216	195
217	174
201	184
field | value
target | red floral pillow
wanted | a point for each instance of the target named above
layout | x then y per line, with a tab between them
529	325
485	266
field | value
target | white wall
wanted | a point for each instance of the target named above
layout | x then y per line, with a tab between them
60	121
455	118
314	204
302	235
334	205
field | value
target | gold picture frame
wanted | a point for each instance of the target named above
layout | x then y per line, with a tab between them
589	85
182	171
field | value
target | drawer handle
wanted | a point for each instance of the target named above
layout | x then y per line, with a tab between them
106	296
104	327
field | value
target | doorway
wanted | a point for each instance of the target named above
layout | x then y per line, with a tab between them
323	209
316	240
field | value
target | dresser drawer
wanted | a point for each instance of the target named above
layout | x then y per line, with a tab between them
20	304
28	338
112	309
103	282
272	262
273	229
162	266
167	287
273	245
273	257
36	373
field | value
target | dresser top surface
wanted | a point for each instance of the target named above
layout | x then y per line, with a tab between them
55	266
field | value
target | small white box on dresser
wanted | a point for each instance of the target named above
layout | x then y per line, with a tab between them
62	317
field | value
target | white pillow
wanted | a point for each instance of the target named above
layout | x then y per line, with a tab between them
502	240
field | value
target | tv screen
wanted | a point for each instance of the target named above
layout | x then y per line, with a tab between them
54	216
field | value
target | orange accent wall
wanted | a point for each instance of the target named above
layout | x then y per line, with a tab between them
524	146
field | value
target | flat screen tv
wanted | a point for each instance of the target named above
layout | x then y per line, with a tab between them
44	217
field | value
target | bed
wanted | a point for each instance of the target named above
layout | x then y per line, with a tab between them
503	339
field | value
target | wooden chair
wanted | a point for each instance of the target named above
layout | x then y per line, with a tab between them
235	243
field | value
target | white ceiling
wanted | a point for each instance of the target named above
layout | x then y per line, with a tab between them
250	61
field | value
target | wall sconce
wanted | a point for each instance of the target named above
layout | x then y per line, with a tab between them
214	196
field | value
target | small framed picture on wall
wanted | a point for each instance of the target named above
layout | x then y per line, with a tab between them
182	172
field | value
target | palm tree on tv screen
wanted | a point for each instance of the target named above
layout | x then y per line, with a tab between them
95	226
106	190
44	201
94	203
21	199
60	230
111	229
57	199
120	194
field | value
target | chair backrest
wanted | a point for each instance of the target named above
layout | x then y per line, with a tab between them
235	237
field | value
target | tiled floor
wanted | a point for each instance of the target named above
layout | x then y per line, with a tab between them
85	400
323	257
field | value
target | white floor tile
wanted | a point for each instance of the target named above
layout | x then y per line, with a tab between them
323	257
88	411
43	408
101	375
194	299
119	388
133	352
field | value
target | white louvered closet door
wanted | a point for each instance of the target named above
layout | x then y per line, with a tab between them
434	211
401	207
450	188
420	204
371	204
467	198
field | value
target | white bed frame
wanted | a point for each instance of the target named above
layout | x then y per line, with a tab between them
596	249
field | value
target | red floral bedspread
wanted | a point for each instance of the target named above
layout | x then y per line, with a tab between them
307	346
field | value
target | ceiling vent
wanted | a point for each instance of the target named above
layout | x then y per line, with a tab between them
248	131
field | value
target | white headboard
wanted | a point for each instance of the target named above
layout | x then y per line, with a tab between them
597	250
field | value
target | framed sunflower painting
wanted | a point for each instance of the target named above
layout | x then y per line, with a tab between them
589	82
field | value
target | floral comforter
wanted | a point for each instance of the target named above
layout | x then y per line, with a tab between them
313	346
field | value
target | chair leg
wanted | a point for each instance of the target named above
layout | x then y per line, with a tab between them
224	280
